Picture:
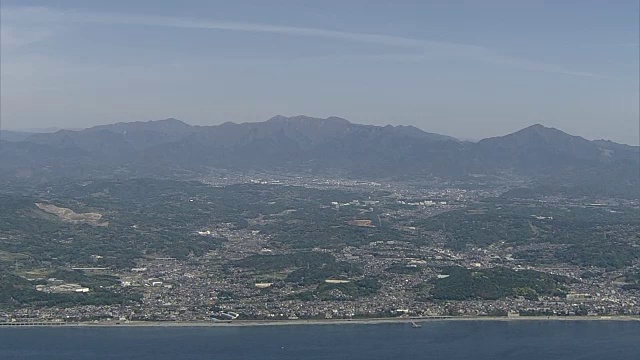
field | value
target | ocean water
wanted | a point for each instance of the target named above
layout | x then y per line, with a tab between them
447	340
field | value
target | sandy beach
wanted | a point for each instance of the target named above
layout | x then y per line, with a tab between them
241	323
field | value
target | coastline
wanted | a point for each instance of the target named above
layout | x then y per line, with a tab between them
373	321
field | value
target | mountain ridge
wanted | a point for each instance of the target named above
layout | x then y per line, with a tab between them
288	119
331	145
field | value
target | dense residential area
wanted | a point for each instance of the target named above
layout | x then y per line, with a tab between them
275	247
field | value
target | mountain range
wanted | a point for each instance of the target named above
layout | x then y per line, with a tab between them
322	146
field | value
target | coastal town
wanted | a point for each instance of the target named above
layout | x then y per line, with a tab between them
253	273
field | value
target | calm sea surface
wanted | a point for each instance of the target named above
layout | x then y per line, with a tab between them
447	340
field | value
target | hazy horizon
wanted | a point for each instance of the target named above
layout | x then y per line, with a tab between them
470	71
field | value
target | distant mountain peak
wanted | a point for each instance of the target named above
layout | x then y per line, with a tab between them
307	119
538	128
278	118
165	125
337	118
170	120
161	122
540	132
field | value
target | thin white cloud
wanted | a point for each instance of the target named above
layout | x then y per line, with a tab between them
425	47
11	37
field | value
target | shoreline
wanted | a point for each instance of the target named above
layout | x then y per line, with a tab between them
373	321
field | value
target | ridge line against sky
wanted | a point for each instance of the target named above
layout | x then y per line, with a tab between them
479	53
55	129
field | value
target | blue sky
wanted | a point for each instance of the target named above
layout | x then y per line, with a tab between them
470	69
